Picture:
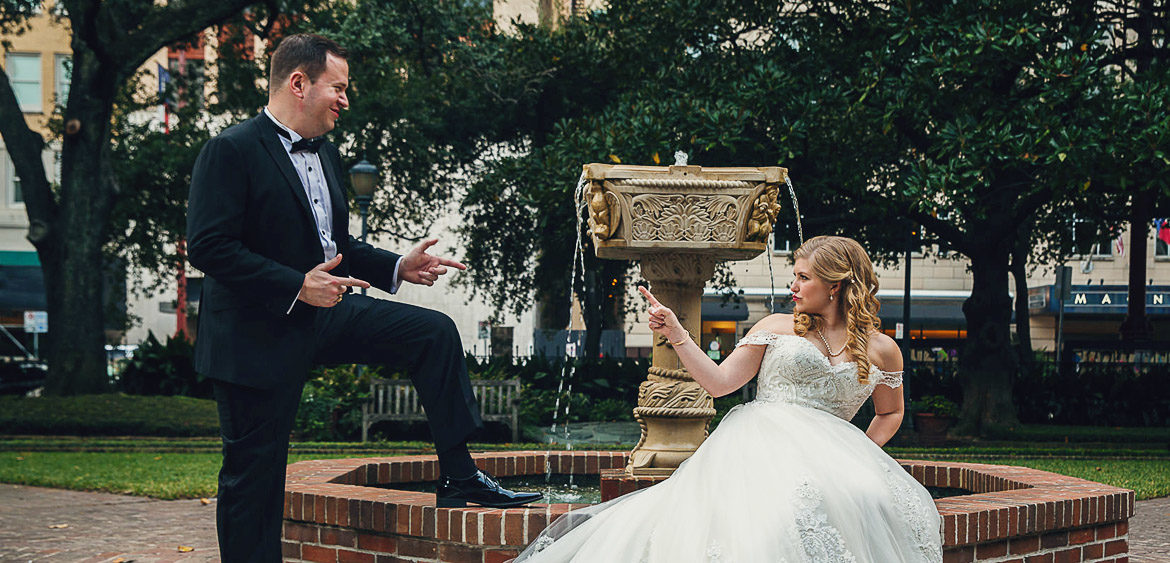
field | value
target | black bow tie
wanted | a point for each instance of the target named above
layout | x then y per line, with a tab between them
311	145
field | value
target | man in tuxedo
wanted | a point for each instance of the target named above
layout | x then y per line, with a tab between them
268	223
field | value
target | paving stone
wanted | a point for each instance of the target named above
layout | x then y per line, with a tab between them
102	527
1149	531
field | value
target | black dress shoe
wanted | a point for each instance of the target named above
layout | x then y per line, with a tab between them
481	489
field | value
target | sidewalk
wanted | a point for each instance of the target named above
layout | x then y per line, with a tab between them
102	527
105	528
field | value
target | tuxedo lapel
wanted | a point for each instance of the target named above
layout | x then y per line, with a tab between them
276	150
336	193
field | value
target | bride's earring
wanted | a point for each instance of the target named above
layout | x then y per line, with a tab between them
830	297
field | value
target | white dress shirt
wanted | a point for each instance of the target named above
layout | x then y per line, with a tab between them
308	167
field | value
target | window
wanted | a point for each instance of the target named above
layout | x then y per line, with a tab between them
24	72
1162	238
1088	241
188	77
62	68
12	183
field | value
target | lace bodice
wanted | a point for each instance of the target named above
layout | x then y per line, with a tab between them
795	371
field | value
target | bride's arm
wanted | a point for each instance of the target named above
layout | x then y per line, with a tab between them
888	403
718	379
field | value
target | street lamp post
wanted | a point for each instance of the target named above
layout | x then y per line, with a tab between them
364	178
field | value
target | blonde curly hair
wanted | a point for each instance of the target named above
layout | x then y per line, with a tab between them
840	259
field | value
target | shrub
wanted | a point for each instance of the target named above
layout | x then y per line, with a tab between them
331	403
163	369
109	415
935	404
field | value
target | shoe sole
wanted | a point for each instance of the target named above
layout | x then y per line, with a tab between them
457	503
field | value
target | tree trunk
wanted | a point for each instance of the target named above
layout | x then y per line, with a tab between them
1136	326
70	248
987	367
1019	270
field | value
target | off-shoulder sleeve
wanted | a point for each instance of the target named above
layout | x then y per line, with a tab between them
762	338
892	379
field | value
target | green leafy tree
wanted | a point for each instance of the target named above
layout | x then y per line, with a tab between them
984	122
69	222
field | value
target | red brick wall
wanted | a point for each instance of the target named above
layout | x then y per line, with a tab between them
1013	514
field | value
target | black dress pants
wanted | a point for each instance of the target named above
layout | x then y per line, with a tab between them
255	423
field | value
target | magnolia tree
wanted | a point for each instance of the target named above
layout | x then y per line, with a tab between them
984	122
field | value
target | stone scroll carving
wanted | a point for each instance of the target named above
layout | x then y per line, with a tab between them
691	218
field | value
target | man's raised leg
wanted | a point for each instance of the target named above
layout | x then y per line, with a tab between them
426	345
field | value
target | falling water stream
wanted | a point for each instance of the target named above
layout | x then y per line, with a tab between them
565	385
769	252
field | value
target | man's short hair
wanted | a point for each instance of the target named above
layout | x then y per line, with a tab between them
305	52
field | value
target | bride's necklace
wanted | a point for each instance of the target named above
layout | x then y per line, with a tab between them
829	348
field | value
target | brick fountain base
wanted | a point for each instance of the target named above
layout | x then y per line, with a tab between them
333	514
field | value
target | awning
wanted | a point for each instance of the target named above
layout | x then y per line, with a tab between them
715	309
929	308
22	284
1097	300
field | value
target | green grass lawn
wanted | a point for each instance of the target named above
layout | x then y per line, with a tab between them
171	475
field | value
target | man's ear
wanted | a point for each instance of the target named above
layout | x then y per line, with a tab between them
297	82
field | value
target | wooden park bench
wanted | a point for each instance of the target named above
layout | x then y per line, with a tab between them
396	399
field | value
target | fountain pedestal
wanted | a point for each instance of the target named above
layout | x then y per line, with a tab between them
677	221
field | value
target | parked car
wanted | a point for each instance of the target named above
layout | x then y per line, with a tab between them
21	375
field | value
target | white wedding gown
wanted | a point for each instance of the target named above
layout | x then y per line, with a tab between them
784	478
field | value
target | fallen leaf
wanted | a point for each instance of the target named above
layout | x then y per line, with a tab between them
19	458
204	501
59	526
615	159
185	548
156	458
120	560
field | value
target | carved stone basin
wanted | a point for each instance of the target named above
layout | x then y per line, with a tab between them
638	211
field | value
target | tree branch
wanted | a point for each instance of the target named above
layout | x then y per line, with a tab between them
948	232
83	17
25	147
164	24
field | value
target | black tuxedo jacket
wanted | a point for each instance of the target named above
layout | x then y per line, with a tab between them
251	231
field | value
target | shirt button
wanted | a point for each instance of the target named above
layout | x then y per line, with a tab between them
314	201
310	169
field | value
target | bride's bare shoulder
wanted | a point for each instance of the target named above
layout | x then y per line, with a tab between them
778	323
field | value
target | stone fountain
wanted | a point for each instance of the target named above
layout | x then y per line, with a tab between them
677	222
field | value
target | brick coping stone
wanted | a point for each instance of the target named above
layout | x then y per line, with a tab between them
333	514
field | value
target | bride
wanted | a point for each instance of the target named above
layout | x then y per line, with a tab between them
785	477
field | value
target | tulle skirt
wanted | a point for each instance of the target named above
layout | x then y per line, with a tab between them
775	482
